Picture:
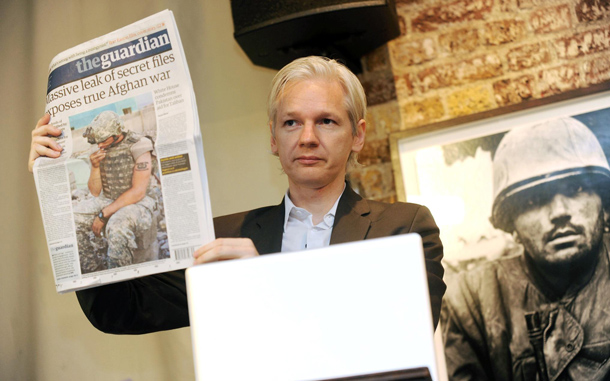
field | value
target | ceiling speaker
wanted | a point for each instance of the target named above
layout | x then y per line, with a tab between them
275	32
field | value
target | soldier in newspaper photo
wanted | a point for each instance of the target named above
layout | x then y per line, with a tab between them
544	312
124	123
116	214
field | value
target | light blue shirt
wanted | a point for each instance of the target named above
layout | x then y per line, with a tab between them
299	230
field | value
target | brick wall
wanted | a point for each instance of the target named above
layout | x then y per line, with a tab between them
459	57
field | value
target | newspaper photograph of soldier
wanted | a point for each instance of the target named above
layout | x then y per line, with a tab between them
526	250
116	191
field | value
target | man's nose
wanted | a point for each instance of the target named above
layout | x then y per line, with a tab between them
309	135
559	209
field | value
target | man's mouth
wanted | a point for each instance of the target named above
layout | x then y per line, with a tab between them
308	160
563	233
563	237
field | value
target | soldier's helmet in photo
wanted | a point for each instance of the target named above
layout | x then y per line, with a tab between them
532	158
103	126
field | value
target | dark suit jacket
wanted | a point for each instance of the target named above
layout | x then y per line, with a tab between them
158	302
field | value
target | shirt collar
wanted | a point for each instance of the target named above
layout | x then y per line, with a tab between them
289	207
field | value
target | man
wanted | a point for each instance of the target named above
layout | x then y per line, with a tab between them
121	209
544	313
316	117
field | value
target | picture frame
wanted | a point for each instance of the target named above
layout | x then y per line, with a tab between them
422	180
521	196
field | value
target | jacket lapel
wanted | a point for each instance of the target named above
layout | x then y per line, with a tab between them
351	221
268	230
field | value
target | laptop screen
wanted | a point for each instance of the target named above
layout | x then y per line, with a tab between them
341	311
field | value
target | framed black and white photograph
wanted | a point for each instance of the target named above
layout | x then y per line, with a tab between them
522	202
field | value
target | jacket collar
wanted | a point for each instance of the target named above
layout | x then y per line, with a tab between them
351	223
269	230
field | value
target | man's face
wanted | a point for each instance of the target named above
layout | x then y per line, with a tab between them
313	134
561	227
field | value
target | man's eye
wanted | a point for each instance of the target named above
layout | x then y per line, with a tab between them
290	123
577	189
327	121
574	189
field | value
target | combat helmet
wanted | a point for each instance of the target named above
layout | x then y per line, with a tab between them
103	126
531	156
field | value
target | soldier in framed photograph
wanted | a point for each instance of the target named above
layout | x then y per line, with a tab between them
545	312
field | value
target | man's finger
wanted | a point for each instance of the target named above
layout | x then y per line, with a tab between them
46	130
234	242
42	150
224	249
224	253
46	118
46	141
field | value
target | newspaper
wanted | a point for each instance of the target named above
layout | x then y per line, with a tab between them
132	150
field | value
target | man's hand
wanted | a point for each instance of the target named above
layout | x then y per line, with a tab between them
222	249
42	142
97	157
97	226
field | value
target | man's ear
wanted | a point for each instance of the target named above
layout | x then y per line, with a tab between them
273	142
358	142
516	237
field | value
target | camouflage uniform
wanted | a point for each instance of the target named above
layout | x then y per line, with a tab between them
92	249
126	230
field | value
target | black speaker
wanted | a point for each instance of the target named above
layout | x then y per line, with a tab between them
275	32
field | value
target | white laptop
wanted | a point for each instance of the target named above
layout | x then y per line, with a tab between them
347	311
